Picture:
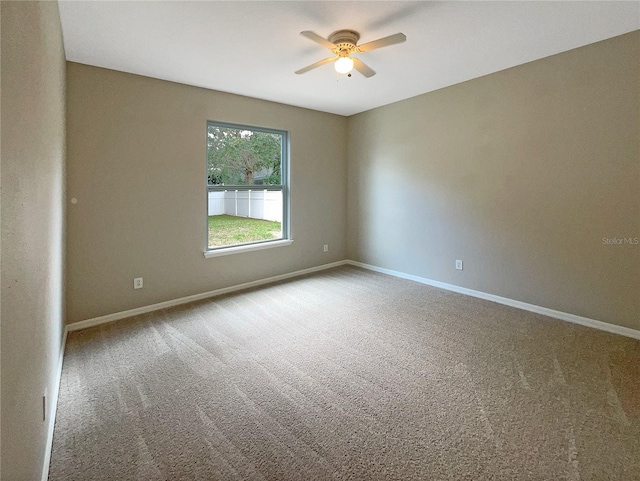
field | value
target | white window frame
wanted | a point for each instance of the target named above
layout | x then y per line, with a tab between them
283	187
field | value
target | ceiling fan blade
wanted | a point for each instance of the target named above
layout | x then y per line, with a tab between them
315	65
363	68
318	39
382	42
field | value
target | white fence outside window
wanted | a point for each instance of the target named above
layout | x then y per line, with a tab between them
256	204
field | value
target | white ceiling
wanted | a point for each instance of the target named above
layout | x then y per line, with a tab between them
253	48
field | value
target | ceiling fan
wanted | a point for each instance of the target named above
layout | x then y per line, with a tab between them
345	42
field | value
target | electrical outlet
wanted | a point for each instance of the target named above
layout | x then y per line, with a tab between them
137	283
458	264
326	247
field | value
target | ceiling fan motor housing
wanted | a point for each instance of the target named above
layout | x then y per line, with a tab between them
345	41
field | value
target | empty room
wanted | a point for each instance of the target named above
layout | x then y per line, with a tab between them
320	240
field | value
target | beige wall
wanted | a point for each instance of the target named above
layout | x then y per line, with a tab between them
33	141
520	174
136	164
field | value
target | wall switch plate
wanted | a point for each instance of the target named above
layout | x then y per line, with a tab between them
137	283
458	264
326	247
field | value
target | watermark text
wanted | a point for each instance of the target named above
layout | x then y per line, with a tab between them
618	241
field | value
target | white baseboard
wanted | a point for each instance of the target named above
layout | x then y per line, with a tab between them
565	316
52	412
96	321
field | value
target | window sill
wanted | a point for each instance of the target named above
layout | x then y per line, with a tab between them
247	248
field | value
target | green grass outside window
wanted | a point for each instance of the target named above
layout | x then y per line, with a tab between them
227	230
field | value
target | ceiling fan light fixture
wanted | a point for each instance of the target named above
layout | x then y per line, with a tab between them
342	44
344	65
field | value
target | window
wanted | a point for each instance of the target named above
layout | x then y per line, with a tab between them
247	191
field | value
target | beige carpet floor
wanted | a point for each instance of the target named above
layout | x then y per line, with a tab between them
347	374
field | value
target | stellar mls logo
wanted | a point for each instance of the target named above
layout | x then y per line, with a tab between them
617	241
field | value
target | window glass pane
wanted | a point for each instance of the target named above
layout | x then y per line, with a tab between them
247	199
244	216
238	156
